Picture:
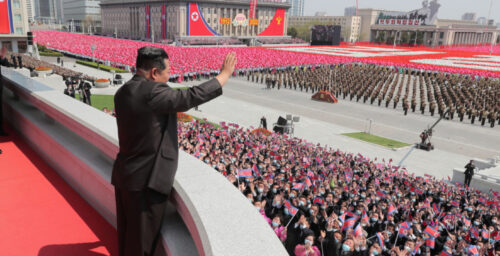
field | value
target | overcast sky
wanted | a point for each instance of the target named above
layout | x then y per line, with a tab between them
450	9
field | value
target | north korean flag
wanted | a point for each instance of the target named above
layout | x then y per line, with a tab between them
381	194
419	191
380	239
472	250
358	231
293	211
455	203
256	170
392	210
310	174
308	182
485	234
299	186
466	221
474	232
431	232
430	243
348	224
318	200
496	236
365	217
245	173
435	207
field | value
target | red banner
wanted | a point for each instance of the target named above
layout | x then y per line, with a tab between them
148	23
163	23
277	26
5	17
253	9
196	24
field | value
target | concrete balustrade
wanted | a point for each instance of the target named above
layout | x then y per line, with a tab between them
206	215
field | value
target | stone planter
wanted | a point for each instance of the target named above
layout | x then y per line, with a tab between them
43	72
102	84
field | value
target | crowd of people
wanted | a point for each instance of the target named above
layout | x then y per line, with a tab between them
322	201
209	41
464	96
17	60
281	41
122	53
80	85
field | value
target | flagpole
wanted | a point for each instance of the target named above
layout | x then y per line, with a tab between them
290	221
397	236
237	175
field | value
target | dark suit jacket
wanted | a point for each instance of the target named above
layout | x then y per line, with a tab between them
146	114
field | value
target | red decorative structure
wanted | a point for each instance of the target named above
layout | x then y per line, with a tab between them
277	25
325	96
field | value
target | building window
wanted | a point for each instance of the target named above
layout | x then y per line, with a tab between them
17	4
441	35
19	31
17	17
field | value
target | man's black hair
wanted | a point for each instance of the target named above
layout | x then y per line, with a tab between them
151	57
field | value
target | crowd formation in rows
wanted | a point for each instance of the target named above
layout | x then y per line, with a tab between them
25	61
433	92
122	53
322	201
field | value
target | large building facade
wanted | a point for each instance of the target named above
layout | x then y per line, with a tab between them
85	15
350	25
140	19
14	25
49	11
423	27
297	8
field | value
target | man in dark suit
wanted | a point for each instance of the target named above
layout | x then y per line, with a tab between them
469	172
3	62
144	170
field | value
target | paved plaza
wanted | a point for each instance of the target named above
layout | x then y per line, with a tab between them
245	103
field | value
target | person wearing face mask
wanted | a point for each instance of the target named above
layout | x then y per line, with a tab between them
348	248
279	230
307	249
375	250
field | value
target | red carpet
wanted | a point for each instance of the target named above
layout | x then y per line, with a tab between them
40	214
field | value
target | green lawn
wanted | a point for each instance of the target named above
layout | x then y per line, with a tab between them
100	66
376	140
101	101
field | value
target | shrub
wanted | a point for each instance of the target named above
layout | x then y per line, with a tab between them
101	66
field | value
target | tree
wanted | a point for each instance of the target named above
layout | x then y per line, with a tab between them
420	37
88	21
304	31
390	39
405	38
380	37
292	31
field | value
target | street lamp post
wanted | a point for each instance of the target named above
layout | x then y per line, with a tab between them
93	48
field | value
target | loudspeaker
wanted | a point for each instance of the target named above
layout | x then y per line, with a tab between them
281	121
30	38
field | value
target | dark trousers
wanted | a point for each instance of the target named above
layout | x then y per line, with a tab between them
139	218
468	178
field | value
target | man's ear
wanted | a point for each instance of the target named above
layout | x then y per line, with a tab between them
153	73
